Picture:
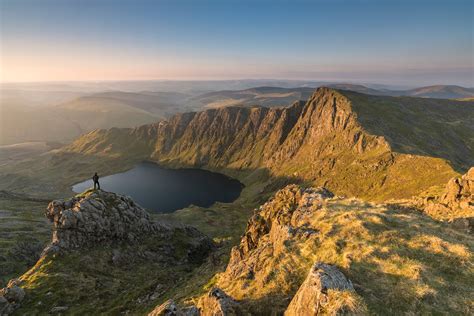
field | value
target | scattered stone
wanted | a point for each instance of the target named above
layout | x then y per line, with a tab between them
58	309
313	293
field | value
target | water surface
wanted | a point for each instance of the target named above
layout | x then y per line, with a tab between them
166	190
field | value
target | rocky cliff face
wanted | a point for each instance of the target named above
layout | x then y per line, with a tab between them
335	139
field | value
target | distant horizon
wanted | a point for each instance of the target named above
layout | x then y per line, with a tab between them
393	86
410	43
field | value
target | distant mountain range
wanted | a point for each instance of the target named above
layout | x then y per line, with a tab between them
62	115
277	96
344	140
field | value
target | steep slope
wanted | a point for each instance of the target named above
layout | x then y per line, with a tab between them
393	267
106	256
368	146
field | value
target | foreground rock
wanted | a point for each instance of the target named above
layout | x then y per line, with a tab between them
97	216
113	254
387	253
460	191
217	302
313	295
261	263
456	203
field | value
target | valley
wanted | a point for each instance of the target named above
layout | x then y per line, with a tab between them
380	174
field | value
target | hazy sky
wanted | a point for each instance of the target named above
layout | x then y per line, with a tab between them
407	42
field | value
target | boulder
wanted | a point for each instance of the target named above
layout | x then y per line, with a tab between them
459	191
312	295
218	303
96	216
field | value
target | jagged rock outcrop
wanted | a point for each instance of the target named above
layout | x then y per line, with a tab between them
107	245
279	220
456	204
459	192
97	216
260	262
313	294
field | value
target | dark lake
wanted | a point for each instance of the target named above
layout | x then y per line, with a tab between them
167	190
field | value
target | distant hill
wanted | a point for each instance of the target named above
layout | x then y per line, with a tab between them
277	96
439	92
160	104
69	119
24	123
262	96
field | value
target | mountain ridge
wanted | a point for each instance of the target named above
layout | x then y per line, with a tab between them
334	134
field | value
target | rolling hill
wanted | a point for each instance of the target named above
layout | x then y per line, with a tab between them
438	91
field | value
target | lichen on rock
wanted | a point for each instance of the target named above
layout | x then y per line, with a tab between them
97	216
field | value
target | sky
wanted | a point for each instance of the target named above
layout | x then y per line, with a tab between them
399	42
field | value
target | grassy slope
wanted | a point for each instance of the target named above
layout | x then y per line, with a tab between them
225	221
398	259
22	225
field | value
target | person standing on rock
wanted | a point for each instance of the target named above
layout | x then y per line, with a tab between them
95	178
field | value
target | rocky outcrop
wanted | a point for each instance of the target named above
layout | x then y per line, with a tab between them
280	219
456	204
312	296
218	303
111	245
215	303
459	192
97	216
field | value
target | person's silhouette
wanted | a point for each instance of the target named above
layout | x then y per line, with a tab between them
95	178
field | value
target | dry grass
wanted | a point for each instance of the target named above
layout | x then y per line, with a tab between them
399	260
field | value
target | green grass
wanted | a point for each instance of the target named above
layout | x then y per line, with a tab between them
20	221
